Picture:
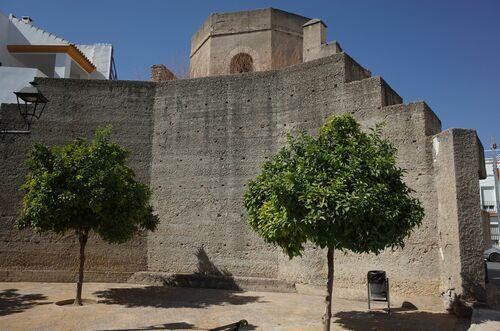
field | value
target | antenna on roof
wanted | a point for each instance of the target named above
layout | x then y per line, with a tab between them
495	172
494	151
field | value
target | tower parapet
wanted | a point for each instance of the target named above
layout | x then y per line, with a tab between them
315	45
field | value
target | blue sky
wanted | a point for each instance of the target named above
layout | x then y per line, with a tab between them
446	52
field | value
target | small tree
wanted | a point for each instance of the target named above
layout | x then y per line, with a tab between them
85	186
340	191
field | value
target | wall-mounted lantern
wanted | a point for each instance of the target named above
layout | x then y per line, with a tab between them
31	104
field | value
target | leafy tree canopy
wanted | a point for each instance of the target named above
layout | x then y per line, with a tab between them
341	190
84	186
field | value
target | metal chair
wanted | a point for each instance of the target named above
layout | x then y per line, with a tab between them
378	288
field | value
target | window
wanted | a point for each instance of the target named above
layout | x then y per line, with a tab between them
488	198
241	62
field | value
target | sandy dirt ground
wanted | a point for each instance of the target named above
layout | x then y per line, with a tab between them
32	306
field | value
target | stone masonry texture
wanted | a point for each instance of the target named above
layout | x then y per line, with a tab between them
197	142
160	73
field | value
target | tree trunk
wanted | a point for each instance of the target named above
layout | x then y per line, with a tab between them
83	235
329	292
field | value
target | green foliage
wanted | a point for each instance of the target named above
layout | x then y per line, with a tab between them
341	190
85	185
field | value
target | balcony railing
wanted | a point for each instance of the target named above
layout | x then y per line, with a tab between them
495	235
489	206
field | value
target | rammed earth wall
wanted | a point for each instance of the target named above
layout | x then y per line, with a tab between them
198	141
76	109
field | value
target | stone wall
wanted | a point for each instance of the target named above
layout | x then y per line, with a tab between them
458	158
198	142
76	108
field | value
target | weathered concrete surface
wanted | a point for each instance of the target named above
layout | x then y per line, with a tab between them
30	306
198	141
485	220
457	157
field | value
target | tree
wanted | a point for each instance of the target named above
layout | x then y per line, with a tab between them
340	191
84	186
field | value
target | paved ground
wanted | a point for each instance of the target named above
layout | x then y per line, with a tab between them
494	273
485	320
31	306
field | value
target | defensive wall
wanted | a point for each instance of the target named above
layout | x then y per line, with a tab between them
197	142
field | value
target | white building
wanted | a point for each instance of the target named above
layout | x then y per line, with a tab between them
490	200
27	52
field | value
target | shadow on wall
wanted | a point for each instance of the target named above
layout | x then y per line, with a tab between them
164	297
402	320
12	302
178	293
209	275
207	267
477	288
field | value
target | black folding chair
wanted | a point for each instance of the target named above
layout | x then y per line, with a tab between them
378	288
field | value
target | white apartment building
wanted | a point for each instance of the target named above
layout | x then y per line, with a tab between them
490	199
27	52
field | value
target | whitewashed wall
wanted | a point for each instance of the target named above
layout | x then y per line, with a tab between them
100	55
14	31
13	79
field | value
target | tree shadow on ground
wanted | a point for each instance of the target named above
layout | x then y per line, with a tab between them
399	319
214	287
206	287
12	302
178	326
165	297
167	326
